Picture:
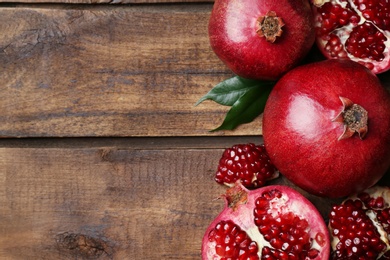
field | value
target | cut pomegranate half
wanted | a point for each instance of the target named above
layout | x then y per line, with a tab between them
272	222
354	29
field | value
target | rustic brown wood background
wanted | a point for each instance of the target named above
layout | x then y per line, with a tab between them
102	152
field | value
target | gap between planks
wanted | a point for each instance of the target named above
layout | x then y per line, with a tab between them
135	143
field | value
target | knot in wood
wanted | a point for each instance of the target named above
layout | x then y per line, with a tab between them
83	246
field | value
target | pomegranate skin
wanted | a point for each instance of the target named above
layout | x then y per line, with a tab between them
301	135
233	37
241	210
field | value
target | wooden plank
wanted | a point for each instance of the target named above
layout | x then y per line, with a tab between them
105	203
108	203
109	71
130	71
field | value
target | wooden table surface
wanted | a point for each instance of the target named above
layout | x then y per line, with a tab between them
103	154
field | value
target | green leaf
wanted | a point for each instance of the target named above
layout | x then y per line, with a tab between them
246	108
229	91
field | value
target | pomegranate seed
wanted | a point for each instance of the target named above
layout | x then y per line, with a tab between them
313	253
241	236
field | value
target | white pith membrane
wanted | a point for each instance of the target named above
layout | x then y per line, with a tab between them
374	192
344	33
278	206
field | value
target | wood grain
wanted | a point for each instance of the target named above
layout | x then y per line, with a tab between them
115	161
108	202
105	203
108	71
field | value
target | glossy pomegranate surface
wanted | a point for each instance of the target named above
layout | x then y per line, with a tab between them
360	226
272	222
326	126
261	39
354	29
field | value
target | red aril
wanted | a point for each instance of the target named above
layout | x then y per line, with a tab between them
360	226
354	29
326	126
272	222
261	39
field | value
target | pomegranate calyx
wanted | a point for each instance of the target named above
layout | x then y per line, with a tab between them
270	26
236	195
354	117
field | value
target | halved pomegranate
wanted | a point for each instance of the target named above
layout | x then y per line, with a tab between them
360	226
354	29
272	222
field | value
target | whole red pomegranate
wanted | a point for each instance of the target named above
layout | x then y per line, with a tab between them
326	126
360	226
261	39
354	29
272	222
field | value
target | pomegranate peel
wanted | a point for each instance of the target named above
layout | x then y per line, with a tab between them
272	222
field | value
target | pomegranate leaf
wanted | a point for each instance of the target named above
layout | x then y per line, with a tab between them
230	90
247	107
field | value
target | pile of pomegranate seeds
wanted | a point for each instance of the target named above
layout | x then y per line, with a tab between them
248	163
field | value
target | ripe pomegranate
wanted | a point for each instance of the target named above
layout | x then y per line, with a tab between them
354	29
248	163
261	39
326	126
272	222
360	226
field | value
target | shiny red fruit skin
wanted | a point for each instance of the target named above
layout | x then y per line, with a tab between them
233	37
302	140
